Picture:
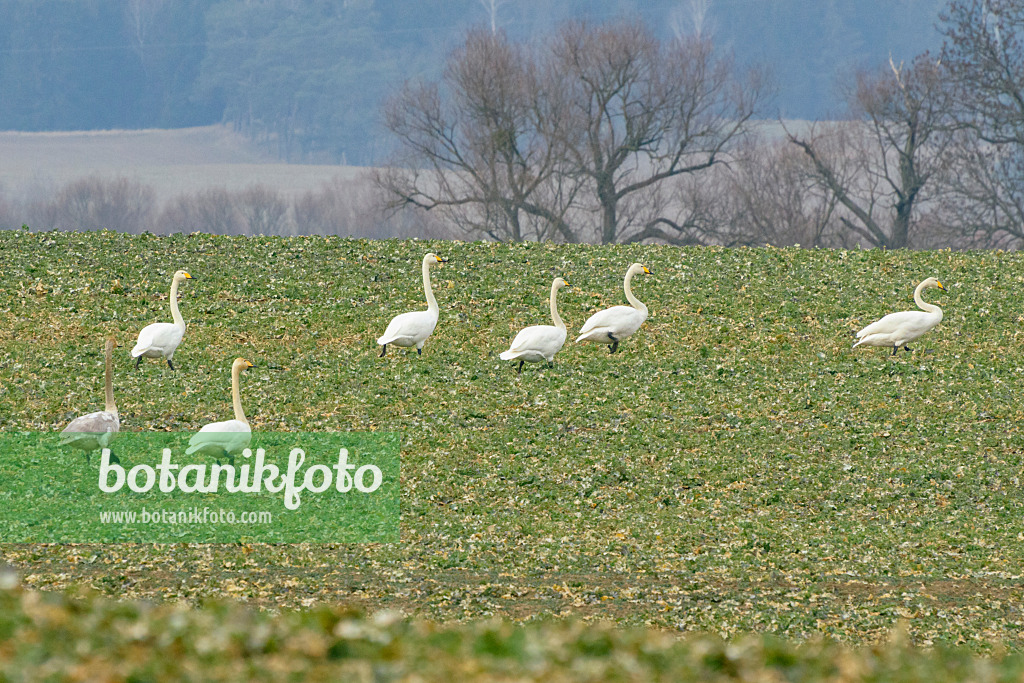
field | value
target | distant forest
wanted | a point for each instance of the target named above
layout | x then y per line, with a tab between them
306	77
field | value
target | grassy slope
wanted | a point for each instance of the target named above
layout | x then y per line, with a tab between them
736	467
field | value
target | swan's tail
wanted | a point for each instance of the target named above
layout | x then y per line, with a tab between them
139	349
507	355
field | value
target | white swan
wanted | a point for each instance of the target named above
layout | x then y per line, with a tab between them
899	329
614	324
159	340
95	431
539	342
230	437
412	329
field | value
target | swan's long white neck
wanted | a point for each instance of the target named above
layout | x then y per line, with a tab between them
431	301
633	301
108	383
175	313
924	305
236	398
557	319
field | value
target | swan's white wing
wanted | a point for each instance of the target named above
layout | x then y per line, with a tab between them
91	431
158	337
902	323
409	329
898	328
621	321
543	340
230	436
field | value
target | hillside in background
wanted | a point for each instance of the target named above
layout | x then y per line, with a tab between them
304	80
172	162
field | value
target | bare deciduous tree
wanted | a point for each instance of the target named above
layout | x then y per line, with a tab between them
8	212
264	211
636	113
492	7
520	145
350	206
96	203
878	165
692	17
773	196
140	16
983	198
211	211
477	146
984	55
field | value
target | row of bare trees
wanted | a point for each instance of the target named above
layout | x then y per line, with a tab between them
606	134
343	206
521	142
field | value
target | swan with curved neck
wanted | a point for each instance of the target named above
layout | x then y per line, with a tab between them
94	431
614	324
160	340
412	329
228	438
899	329
539	342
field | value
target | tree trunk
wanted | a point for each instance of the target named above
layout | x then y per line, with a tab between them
609	210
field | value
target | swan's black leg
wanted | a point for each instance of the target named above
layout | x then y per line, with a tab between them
615	343
520	370
170	364
906	347
114	458
895	349
137	361
419	352
383	350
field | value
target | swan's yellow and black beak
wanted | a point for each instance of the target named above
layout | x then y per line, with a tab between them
647	271
440	260
939	285
188	277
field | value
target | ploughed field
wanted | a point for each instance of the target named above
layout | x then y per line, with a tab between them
735	467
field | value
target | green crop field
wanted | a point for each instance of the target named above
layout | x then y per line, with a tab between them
735	468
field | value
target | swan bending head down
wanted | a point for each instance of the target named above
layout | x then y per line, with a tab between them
614	324
412	329
901	328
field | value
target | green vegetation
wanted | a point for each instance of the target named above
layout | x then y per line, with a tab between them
736	467
44	637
